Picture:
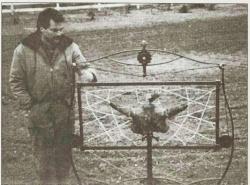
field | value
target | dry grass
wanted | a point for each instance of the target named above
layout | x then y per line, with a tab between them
213	37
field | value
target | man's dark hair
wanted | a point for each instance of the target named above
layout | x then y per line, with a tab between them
44	17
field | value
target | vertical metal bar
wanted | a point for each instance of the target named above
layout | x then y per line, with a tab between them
217	105
12	9
144	70
149	160
57	6
79	101
99	8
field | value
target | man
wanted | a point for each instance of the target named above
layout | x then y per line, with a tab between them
42	78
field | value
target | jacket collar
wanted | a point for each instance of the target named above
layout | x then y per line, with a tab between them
33	41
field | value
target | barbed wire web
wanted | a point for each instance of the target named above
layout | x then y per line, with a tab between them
105	126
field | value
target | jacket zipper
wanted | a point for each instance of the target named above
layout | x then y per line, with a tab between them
52	63
52	77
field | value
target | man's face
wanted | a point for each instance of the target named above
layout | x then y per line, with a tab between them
53	33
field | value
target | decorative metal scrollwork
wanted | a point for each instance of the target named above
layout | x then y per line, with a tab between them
144	57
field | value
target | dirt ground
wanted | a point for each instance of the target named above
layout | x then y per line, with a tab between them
218	36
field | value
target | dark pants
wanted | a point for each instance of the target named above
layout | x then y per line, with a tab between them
52	129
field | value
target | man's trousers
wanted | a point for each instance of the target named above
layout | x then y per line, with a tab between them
51	132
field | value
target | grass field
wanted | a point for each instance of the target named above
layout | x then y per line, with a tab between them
222	39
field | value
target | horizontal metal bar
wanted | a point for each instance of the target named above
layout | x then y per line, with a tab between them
148	83
216	146
98	6
24	10
23	3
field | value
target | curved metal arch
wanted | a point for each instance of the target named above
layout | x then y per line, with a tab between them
155	50
156	178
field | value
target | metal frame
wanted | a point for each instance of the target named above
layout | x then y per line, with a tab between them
150	180
217	106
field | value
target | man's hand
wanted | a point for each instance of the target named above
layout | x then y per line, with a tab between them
25	107
88	75
94	78
25	103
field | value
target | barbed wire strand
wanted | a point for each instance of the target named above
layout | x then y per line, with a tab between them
153	74
167	62
109	71
155	50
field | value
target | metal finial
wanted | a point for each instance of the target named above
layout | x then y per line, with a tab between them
221	66
144	43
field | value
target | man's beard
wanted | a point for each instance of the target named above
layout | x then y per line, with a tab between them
53	41
57	40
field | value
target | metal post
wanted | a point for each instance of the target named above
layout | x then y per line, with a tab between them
12	9
217	105
79	101
144	70
14	15
57	6
149	159
99	7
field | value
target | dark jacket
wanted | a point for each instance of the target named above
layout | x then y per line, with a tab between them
46	86
34	78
